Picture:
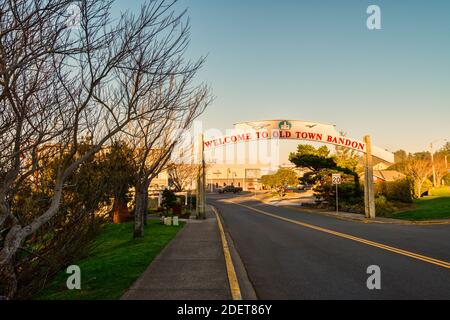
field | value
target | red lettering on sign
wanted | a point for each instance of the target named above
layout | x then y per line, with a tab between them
278	134
332	139
314	136
285	134
208	144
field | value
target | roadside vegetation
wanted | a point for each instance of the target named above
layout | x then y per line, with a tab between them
435	206
320	165
114	263
280	181
419	192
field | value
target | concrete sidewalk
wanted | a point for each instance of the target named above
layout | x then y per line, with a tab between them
191	267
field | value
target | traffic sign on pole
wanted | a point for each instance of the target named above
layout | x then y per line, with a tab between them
336	179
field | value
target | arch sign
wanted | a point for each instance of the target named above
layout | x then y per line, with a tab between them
294	130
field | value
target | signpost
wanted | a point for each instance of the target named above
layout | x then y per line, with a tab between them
369	187
200	199
336	180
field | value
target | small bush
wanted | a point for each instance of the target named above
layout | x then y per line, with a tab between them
169	200
401	190
383	207
426	188
346	191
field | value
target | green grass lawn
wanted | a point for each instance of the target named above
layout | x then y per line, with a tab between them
115	262
436	206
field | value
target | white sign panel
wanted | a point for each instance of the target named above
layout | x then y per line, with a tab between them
336	178
293	130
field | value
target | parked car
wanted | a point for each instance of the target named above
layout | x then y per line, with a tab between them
229	189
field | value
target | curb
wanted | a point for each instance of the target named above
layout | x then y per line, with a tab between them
231	272
364	220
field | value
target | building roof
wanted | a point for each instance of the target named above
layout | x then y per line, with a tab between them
388	175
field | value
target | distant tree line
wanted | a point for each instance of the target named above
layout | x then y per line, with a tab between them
419	168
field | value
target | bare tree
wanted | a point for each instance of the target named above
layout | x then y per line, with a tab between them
177	105
182	174
33	103
61	84
418	170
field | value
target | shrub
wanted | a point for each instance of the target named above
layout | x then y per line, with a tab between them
426	187
169	200
346	191
383	207
401	190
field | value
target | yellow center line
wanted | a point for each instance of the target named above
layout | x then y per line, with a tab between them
413	255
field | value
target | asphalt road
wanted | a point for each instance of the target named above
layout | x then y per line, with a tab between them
327	258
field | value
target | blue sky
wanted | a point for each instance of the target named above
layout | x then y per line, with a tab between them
316	60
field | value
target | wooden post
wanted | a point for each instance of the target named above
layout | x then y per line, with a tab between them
369	188
201	200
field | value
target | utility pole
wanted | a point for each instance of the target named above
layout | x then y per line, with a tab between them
432	161
432	165
201	199
369	189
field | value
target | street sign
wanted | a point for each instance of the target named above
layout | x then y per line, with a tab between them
336	178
